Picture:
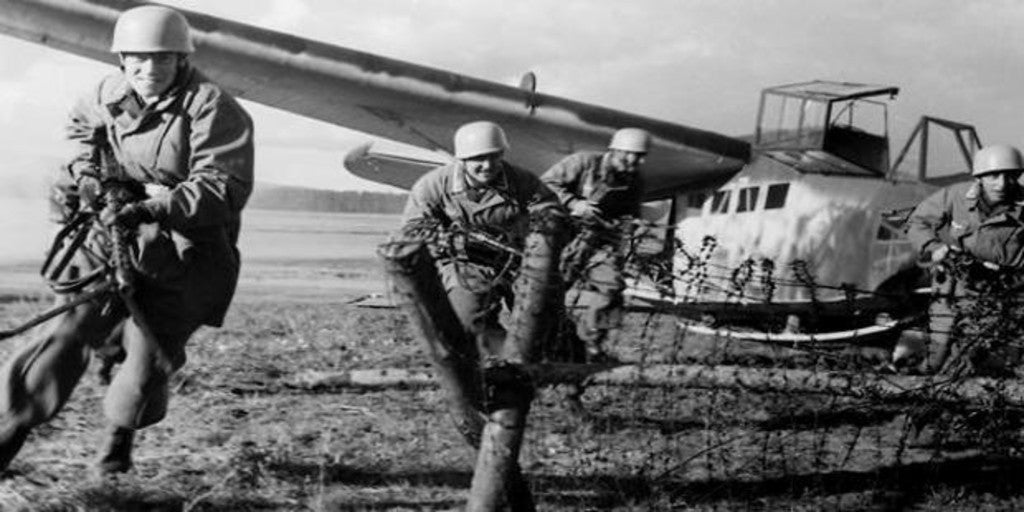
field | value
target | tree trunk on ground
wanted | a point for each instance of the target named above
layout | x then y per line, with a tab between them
977	390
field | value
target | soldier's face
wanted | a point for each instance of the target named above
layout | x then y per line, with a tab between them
150	74
998	186
483	169
626	161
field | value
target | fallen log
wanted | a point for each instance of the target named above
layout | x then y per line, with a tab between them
977	390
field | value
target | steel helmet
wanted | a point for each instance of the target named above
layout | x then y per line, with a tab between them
479	138
151	28
634	140
997	158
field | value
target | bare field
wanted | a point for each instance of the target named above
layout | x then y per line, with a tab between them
239	437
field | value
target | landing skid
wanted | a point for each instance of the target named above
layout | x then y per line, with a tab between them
862	335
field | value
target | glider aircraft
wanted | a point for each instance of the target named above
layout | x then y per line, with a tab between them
812	188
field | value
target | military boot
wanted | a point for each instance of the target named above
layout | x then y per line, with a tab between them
116	454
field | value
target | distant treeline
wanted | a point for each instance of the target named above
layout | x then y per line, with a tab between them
284	197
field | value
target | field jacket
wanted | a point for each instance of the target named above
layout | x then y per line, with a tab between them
501	210
196	142
586	176
957	216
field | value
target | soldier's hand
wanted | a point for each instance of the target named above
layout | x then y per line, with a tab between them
63	201
90	190
129	216
584	209
940	253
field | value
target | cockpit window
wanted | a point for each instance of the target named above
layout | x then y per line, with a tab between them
720	201
776	196
790	122
747	199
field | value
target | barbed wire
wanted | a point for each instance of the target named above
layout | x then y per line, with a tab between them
756	421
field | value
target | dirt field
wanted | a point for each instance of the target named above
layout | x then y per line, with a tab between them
240	437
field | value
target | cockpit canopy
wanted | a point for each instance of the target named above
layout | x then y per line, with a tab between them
846	120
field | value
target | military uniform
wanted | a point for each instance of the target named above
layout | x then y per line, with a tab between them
958	216
594	257
475	274
194	149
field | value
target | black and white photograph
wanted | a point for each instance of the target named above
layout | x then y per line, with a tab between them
412	255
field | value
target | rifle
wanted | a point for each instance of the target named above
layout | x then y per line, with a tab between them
117	196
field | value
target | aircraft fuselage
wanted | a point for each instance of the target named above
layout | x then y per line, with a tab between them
778	240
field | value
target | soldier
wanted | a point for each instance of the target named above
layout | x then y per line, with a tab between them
981	218
492	212
491	201
599	188
156	125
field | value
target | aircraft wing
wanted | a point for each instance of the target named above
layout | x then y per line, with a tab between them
385	97
389	168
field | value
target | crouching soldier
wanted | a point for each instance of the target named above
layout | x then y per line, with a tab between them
500	228
157	124
979	224
599	188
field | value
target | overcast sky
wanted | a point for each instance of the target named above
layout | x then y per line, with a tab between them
695	62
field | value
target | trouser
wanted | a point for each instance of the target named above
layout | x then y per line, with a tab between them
594	299
477	293
38	379
488	391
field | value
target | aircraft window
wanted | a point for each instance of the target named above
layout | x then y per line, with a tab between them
747	200
787	122
776	196
720	201
863	115
696	199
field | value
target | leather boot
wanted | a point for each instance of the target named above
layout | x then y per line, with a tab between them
116	454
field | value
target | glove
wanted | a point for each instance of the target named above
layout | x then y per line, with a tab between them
129	216
90	190
584	209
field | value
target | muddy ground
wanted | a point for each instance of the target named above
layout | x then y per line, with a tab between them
239	437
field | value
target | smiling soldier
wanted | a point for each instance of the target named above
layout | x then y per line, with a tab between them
183	150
